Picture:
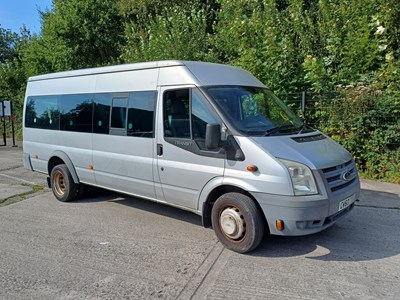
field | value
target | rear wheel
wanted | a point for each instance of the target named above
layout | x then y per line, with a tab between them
63	186
237	222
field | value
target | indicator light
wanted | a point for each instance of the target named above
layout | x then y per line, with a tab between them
252	168
280	225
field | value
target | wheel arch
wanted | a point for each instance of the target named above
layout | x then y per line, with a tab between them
59	157
219	191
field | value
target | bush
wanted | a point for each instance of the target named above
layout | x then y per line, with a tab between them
365	122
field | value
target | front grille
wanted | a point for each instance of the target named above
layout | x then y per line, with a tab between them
333	178
338	167
342	186
340	176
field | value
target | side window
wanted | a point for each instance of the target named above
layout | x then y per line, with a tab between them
42	112
201	116
76	112
101	114
186	115
118	115
176	114
141	114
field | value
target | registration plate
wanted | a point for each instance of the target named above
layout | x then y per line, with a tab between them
346	202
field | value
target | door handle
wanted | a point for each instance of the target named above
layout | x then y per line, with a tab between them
159	149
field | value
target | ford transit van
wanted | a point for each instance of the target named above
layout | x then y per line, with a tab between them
207	138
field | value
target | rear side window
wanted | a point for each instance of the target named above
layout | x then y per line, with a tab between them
76	112
128	113
101	113
42	112
141	114
118	114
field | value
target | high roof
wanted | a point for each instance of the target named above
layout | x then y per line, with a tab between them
109	69
201	73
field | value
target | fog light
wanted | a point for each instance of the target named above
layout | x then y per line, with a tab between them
280	225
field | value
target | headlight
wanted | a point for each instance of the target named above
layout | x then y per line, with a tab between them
302	178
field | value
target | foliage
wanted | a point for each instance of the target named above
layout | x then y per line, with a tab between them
175	35
76	34
345	52
8	41
157	30
12	71
366	123
260	36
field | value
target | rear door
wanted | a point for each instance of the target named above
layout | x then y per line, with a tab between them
184	165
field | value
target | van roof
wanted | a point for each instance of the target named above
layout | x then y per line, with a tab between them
205	73
109	69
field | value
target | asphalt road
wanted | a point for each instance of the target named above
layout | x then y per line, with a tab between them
110	246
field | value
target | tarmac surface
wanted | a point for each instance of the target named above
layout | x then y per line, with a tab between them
111	246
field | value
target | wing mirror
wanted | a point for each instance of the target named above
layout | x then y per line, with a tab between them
213	136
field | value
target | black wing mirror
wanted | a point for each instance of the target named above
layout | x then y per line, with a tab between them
213	136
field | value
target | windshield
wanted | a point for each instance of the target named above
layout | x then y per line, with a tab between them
255	110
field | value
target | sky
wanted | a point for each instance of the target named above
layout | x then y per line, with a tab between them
15	13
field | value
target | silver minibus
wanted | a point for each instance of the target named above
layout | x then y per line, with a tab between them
204	137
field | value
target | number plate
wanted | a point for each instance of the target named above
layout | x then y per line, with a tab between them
346	202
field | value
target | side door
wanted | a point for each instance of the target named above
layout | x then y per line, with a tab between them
124	141
184	165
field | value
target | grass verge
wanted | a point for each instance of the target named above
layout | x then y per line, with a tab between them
22	196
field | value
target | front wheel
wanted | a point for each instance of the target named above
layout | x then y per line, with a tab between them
63	186
237	222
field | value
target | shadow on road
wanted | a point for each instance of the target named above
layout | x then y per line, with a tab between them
369	232
100	195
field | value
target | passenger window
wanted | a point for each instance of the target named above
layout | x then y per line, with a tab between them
186	115
201	116
42	112
141	114
176	114
118	114
101	114
76	112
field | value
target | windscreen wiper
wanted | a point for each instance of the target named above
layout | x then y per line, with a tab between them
303	127
278	129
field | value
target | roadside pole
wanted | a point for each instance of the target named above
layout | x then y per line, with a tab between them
12	118
6	110
3	116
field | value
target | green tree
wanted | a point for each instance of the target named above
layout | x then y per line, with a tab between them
12	71
157	30
8	41
260	37
175	35
76	34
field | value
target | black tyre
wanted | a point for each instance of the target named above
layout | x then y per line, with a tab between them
63	186
237	222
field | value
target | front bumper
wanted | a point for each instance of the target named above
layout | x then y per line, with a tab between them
303	215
